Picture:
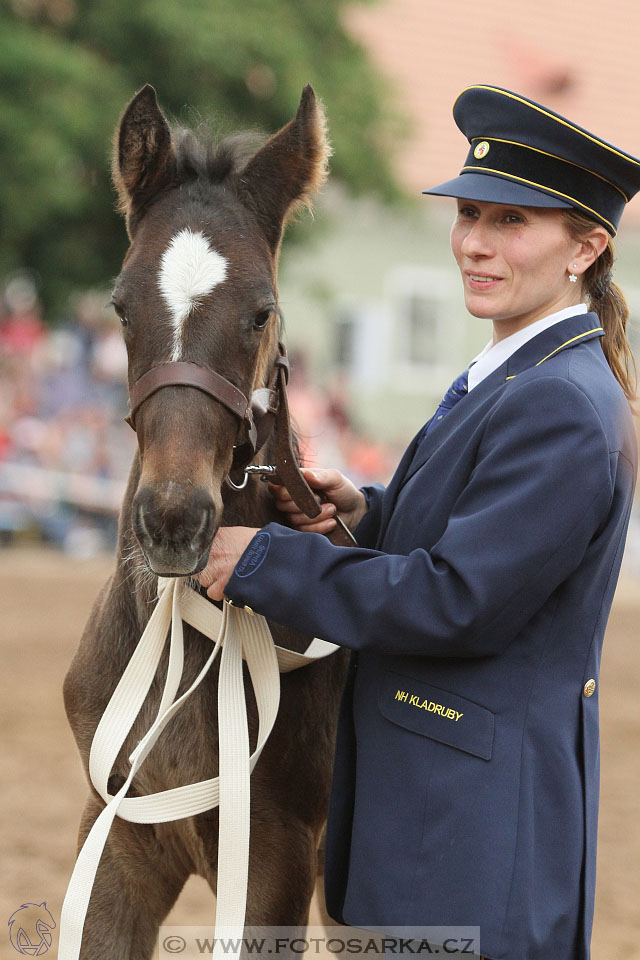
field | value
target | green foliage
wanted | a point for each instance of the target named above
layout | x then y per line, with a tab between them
68	67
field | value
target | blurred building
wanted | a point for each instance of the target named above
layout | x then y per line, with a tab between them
579	58
377	294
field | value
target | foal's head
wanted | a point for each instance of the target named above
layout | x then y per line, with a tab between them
198	284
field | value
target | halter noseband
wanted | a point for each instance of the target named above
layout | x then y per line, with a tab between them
256	416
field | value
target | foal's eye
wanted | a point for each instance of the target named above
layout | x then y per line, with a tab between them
121	312
261	319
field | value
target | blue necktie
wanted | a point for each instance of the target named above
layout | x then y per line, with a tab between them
458	389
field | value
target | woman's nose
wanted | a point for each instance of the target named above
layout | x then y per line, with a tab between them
478	241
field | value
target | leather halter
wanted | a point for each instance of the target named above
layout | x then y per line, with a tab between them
256	416
268	408
181	373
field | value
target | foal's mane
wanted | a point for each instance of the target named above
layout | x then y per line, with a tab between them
200	155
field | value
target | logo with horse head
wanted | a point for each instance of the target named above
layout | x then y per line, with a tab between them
30	929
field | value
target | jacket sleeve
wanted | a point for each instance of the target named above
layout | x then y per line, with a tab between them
540	490
366	533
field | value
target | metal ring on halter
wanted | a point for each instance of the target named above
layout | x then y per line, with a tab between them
266	470
238	486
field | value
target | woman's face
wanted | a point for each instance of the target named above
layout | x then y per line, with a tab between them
515	262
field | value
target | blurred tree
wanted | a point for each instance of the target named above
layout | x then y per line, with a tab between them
68	67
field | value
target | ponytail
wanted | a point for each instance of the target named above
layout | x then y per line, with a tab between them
608	301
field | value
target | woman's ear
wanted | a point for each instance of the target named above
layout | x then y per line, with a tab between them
593	244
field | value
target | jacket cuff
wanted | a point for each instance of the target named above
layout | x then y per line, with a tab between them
264	578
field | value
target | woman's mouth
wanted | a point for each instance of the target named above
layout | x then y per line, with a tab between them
482	281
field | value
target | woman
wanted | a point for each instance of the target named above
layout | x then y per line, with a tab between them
465	786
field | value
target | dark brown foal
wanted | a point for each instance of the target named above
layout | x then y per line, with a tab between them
198	284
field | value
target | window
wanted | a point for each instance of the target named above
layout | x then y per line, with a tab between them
359	344
420	301
422	328
345	328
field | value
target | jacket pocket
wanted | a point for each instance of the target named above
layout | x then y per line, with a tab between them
437	714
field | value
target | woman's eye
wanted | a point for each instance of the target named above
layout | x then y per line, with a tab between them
466	212
514	218
261	319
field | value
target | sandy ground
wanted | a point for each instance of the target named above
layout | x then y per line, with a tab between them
45	599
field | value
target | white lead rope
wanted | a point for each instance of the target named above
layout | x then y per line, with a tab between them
240	635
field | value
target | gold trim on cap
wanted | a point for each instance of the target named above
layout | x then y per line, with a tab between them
552	116
515	143
542	186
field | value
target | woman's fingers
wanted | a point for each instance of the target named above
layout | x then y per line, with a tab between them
322	523
323	479
228	546
342	496
278	491
301	521
316	526
327	511
287	506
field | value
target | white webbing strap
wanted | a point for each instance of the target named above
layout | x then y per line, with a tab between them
241	635
199	613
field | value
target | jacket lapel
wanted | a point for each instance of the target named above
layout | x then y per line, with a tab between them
453	419
394	485
561	336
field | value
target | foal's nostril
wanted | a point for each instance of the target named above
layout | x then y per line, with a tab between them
205	529
140	526
176	521
202	520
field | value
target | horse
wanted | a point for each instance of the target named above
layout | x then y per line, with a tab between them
198	286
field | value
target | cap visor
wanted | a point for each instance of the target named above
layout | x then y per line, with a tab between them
484	187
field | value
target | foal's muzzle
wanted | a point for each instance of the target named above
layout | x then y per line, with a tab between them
175	525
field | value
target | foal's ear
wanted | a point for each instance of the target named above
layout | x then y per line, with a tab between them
143	158
291	165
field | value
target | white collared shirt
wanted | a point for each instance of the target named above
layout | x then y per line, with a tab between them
494	355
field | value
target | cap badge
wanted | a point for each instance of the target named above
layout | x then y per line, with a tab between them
481	150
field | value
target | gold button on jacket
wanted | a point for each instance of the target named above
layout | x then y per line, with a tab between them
589	687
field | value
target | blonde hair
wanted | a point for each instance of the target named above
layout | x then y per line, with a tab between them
608	301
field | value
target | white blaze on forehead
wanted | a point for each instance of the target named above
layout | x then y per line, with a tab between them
189	270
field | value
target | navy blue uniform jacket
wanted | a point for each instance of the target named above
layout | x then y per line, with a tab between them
466	777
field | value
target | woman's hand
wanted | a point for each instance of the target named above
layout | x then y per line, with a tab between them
344	499
228	546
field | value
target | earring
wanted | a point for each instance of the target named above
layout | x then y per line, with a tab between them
572	277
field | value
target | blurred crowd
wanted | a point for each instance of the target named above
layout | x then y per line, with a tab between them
327	433
65	449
